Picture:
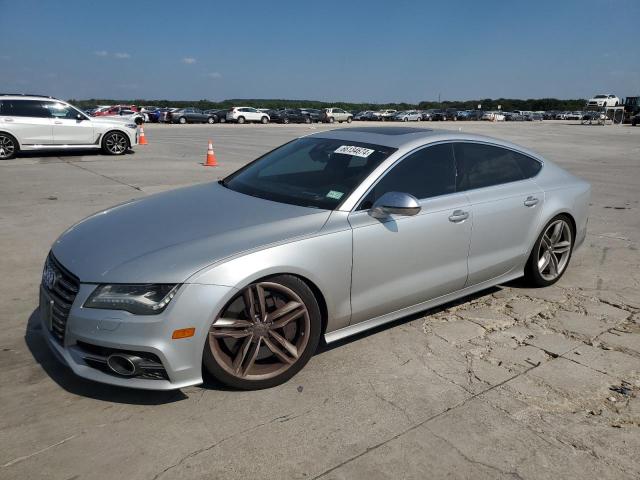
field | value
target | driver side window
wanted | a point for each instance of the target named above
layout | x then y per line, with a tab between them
427	173
60	110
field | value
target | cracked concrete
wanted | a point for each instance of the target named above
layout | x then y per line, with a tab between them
512	383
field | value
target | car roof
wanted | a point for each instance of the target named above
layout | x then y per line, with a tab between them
19	96
409	137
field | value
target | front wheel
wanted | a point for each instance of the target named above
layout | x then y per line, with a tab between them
182	120
307	120
211	120
115	143
240	120
264	120
349	119
551	253
223	120
8	146
332	120
264	335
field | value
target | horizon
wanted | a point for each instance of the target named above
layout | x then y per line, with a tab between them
363	52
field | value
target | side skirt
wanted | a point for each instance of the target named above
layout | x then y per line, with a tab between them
389	317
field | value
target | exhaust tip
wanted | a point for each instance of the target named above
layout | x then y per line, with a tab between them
125	365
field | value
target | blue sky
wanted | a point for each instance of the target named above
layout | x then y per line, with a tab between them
378	51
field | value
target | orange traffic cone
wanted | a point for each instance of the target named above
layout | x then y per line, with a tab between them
142	140
211	157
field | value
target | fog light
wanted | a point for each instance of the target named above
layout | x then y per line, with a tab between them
183	333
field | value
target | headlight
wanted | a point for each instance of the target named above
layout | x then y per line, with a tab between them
132	125
138	299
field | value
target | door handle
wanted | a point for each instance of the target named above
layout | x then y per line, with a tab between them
8	119
458	216
58	122
531	202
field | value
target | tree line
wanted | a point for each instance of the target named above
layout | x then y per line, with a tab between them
506	104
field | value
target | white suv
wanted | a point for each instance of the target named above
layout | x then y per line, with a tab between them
246	114
29	122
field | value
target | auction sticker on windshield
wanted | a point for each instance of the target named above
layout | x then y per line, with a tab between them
354	151
335	195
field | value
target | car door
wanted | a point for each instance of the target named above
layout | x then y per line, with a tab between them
402	261
70	126
27	120
505	206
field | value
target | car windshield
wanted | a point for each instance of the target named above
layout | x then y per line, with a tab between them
600	96
310	172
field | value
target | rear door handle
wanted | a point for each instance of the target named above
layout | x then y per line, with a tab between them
531	202
458	216
8	119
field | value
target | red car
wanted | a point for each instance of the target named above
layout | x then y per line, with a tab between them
114	110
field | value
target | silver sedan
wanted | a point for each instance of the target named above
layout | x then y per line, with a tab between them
322	238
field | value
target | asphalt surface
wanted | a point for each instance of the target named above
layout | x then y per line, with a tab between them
510	383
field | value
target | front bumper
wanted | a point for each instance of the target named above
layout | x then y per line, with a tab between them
195	305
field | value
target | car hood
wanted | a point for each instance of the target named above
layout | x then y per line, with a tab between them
166	238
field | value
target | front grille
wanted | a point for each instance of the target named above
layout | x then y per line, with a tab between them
62	287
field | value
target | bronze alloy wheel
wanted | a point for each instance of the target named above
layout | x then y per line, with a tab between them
264	335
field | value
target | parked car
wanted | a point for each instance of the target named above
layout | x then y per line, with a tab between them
475	114
408	116
330	115
113	110
362	115
289	116
246	114
30	122
242	291
604	100
189	115
150	114
217	114
387	114
573	116
493	116
635	120
314	114
534	116
513	117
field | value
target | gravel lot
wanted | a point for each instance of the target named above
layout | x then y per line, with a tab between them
511	383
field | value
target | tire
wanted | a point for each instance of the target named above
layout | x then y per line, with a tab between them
331	120
182	120
307	120
533	273
265	120
241	120
349	119
245	359
285	121
211	120
223	120
9	146
115	143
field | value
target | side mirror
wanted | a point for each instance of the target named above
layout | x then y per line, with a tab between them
395	203
79	116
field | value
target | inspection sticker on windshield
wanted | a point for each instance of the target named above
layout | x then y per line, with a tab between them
355	151
335	195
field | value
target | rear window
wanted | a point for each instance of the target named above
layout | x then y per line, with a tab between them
23	108
482	166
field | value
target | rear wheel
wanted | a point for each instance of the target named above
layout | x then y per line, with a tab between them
349	119
551	253
307	120
332	120
285	120
264	120
223	120
211	120
264	335
115	143
182	120
240	120
8	146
